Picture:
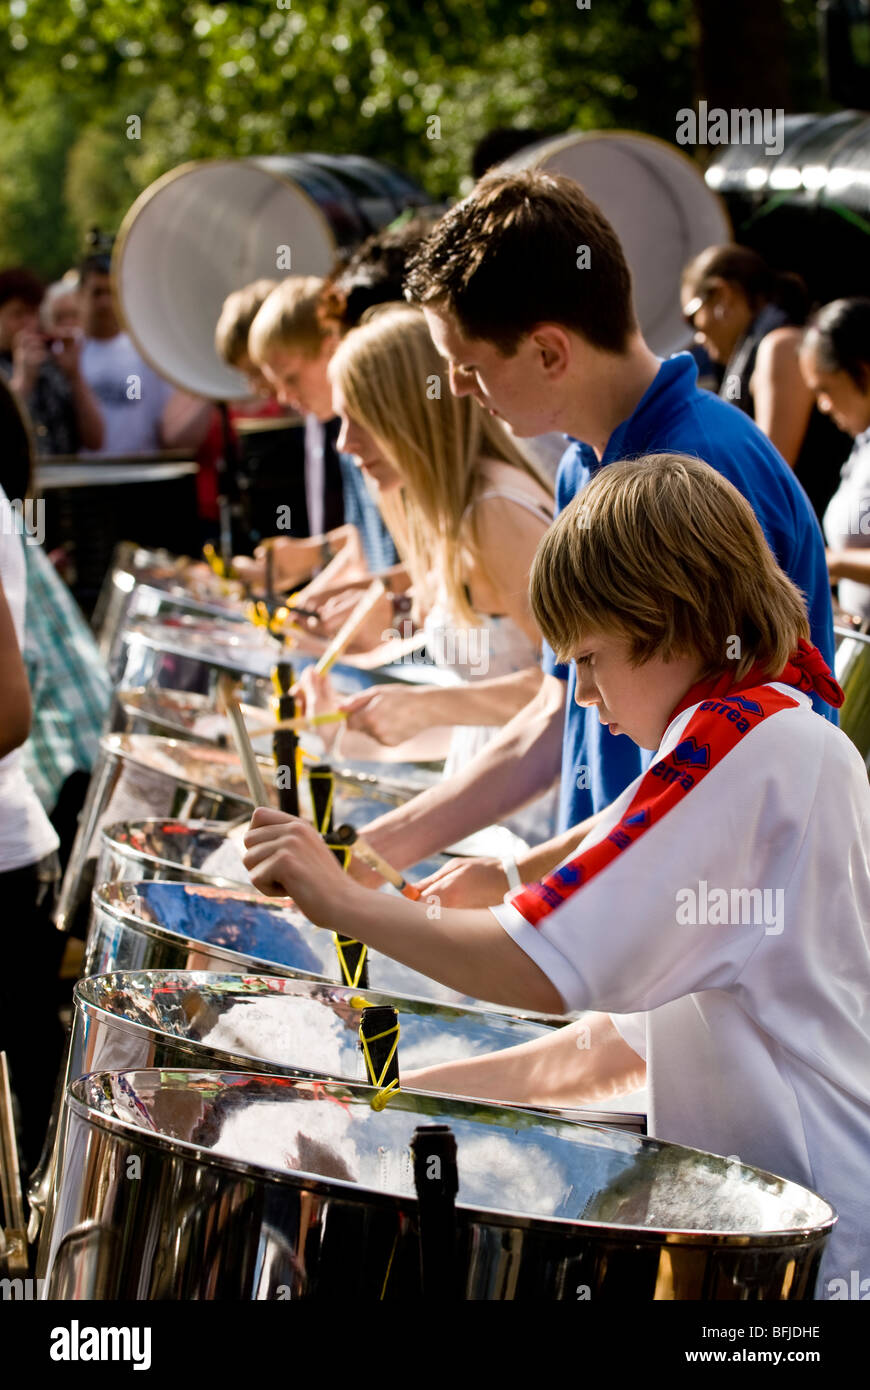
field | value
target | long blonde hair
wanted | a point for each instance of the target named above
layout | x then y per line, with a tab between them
394	385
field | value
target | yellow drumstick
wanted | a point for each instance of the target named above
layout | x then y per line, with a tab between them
301	723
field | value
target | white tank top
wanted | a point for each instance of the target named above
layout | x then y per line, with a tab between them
26	833
498	647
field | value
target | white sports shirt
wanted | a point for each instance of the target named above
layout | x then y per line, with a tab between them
755	1020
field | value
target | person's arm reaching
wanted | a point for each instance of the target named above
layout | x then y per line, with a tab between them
483	882
467	951
519	763
584	1063
853	563
393	713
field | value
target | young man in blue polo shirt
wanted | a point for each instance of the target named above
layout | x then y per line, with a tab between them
528	297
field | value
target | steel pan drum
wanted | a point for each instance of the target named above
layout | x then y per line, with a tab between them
176	1019
191	1184
204	852
172	1019
159	573
190	651
852	669
139	773
160	925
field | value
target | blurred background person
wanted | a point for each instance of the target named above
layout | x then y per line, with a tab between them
747	317
835	362
142	412
61	308
30	1030
43	369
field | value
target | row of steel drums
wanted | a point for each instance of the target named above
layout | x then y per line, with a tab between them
217	1137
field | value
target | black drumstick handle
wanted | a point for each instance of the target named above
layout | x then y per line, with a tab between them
436	1178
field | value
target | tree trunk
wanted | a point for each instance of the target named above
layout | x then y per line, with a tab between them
741	57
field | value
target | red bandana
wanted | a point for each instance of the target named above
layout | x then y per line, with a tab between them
806	669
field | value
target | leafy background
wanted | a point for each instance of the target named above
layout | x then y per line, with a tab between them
252	78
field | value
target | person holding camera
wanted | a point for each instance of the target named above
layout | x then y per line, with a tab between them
43	370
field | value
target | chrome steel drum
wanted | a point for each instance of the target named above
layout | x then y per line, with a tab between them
160	925
206	852
182	714
176	1019
191	652
137	774
133	567
852	669
189	1185
173	1018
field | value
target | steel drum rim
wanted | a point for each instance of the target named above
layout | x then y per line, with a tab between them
129	851
123	1128
854	634
279	970
112	745
245	985
129	919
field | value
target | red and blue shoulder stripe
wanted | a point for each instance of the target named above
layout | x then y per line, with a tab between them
716	726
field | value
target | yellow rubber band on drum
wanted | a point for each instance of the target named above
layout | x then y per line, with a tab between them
385	1093
350	979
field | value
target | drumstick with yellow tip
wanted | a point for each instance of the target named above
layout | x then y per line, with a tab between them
355	620
300	724
247	757
346	835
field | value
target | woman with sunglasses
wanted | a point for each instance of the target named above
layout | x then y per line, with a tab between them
747	317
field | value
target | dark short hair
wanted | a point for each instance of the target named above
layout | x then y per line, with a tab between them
508	258
373	274
21	283
760	283
839	338
97	263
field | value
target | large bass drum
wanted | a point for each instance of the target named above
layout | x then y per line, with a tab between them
254	218
203	1185
660	208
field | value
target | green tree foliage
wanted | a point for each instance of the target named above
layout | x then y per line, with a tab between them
262	78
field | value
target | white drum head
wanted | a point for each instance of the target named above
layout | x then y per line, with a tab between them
659	205
198	233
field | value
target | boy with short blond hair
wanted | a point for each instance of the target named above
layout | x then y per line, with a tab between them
289	343
234	325
718	915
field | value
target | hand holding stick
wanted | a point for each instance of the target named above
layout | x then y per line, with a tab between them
346	835
354	620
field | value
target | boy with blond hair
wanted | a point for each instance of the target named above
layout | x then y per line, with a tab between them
292	346
716	917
